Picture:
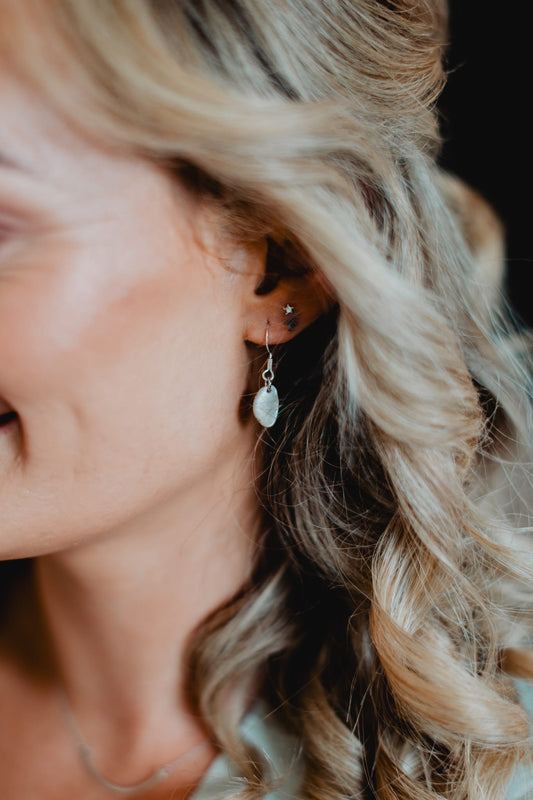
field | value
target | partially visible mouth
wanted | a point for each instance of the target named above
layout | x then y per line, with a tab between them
7	419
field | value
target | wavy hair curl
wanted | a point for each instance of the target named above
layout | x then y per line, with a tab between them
389	599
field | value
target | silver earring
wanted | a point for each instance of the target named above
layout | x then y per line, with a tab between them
292	316
266	401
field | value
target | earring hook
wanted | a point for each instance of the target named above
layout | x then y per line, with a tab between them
266	401
268	374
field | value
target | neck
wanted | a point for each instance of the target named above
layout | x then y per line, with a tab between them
120	610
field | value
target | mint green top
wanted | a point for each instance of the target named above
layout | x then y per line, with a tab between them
522	783
260	729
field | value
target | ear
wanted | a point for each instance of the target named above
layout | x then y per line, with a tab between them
285	302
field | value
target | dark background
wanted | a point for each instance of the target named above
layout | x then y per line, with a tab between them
486	109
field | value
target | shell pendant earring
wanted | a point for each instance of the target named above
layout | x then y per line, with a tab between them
266	401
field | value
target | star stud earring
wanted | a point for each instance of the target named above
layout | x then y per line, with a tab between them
292	317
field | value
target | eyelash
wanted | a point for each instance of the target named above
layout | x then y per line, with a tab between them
7	233
8	226
12	228
4	231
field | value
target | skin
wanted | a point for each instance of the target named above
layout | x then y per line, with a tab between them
127	474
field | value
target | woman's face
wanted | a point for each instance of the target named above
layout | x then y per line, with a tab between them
121	335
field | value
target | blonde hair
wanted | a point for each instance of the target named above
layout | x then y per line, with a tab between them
390	588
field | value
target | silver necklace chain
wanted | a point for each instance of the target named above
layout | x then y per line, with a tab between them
86	756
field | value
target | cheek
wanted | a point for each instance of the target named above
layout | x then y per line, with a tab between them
116	376
67	312
167	373
48	302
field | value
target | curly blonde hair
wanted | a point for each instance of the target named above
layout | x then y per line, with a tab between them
390	600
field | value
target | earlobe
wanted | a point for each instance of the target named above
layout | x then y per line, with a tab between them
294	303
288	294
